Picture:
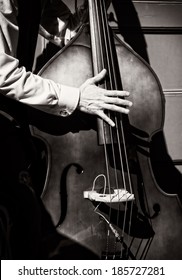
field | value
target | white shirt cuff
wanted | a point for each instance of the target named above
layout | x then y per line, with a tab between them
68	100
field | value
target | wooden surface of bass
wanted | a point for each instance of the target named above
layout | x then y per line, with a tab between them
75	160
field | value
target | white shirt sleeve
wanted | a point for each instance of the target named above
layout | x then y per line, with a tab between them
34	90
17	83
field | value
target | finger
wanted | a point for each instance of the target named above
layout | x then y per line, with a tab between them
103	116
116	93
116	108
99	77
118	101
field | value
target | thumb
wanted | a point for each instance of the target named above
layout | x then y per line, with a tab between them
99	77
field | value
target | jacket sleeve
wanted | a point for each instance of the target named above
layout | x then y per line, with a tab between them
26	87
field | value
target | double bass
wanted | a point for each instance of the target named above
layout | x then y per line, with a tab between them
100	189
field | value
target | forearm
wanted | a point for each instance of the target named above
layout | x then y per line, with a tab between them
34	90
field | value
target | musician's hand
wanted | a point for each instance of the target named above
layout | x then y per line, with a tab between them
94	100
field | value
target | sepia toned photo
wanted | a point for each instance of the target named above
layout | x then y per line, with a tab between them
91	130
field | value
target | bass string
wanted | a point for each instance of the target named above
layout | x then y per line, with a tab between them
112	85
118	120
102	65
104	59
107	66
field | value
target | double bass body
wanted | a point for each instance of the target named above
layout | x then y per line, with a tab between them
75	159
